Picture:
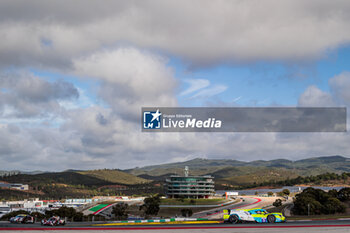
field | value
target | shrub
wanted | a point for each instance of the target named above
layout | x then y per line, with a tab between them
119	211
151	205
317	201
286	192
277	203
344	194
186	212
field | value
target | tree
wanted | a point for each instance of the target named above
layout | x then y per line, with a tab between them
304	205
151	205
333	193
64	211
286	192
333	205
344	194
280	194
38	216
270	194
344	177
316	201
78	217
119	211
277	203
186	212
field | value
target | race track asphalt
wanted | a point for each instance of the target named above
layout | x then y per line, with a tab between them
323	226
300	226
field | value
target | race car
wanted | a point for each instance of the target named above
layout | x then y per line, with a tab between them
22	218
252	215
53	221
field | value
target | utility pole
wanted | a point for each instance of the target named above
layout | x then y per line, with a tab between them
308	209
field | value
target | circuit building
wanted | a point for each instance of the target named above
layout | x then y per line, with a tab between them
189	186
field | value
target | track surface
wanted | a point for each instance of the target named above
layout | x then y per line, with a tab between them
246	203
256	226
324	226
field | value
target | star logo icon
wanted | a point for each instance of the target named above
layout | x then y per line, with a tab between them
152	119
156	115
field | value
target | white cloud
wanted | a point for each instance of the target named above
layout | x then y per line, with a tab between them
340	86
314	97
86	141
199	31
201	88
83	101
195	85
209	92
130	79
236	99
339	94
111	42
23	95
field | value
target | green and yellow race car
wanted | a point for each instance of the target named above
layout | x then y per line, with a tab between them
252	215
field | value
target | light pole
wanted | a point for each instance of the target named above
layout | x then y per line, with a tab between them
308	209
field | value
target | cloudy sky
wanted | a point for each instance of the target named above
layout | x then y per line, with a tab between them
75	74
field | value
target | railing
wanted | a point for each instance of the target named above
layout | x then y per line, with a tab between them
193	190
198	181
189	185
209	193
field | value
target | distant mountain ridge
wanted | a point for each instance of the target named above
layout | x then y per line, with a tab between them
228	174
199	166
11	172
200	163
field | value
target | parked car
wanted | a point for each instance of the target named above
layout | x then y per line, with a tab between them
22	218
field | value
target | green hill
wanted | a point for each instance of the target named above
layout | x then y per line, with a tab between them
114	176
227	173
311	166
74	184
72	178
87	178
198	166
238	173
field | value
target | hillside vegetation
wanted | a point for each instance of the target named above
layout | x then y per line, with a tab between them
72	178
305	167
316	201
326	179
75	184
114	176
228	174
87	178
253	176
238	174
